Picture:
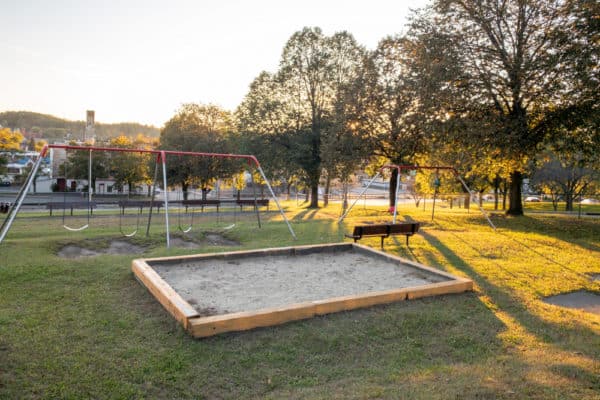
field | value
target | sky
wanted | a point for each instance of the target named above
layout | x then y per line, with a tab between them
140	60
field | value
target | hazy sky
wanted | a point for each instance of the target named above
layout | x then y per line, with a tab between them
140	60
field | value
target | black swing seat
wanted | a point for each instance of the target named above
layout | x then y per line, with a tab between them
384	230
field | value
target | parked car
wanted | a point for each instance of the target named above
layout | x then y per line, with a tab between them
590	201
532	199
4	183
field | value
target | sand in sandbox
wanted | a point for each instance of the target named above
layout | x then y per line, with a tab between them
221	286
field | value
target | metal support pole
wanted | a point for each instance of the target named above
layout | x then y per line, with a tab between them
152	197
163	157
396	195
255	202
21	196
90	182
480	208
359	196
433	209
276	201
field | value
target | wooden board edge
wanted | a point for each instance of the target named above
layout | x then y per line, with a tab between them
406	261
251	252
180	309
353	302
242	321
434	289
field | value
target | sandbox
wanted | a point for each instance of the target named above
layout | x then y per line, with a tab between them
234	291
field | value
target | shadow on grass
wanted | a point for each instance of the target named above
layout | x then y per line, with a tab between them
305	214
580	232
545	331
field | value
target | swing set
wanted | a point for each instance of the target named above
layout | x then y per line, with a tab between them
399	169
161	161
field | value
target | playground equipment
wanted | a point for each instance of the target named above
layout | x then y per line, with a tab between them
88	206
399	169
161	161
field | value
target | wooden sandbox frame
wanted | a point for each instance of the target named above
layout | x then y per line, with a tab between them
203	326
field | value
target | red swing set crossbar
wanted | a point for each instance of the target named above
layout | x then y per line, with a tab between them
249	158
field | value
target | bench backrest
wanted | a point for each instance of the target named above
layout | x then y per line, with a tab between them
371	230
251	201
140	203
200	202
404	228
70	204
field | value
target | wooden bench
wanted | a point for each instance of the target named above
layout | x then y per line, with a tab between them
201	203
253	203
384	230
62	205
140	204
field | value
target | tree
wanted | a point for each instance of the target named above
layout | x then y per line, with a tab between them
266	128
198	128
388	112
341	147
9	140
77	165
127	167
306	71
515	75
294	108
568	179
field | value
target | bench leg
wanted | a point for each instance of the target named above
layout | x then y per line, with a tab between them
383	237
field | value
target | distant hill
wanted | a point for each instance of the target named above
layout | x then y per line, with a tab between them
51	128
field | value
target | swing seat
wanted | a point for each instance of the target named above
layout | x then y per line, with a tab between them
384	230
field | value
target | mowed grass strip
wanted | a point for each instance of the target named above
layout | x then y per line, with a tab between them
85	328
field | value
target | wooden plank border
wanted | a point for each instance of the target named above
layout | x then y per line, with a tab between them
199	326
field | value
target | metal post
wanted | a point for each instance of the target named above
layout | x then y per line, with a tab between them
276	201
433	209
152	197
480	208
21	196
255	202
359	196
396	195
90	182
166	194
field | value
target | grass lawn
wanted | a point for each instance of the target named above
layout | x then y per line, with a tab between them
85	328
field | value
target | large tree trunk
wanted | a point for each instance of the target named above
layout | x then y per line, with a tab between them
314	196
288	190
569	201
496	191
393	183
327	189
184	189
515	203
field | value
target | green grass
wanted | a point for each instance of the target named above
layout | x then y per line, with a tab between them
85	328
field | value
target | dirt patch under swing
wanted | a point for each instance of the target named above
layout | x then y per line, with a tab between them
125	247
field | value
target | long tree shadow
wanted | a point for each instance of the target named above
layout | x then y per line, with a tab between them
306	214
580	232
506	300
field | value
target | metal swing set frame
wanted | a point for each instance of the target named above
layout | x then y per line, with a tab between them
401	168
161	160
